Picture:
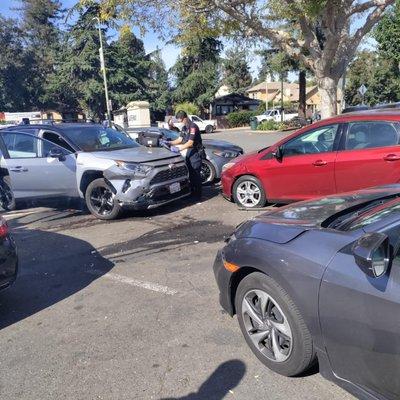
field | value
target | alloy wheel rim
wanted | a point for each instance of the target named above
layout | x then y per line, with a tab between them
102	200
205	173
267	326
248	194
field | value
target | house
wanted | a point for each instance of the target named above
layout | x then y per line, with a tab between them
233	102
290	94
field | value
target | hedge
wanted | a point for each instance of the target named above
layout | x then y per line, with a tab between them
240	118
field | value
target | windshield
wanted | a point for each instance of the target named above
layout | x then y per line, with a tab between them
98	138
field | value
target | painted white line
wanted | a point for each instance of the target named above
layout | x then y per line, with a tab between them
134	282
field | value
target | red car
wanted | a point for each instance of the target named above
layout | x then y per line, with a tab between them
340	154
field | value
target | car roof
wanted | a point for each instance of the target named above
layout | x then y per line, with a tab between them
378	114
58	126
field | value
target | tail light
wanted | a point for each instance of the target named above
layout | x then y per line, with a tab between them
3	227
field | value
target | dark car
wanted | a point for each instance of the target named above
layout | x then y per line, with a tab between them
8	256
218	152
319	280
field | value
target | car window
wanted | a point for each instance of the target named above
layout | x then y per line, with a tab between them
368	135
56	139
98	138
21	145
318	140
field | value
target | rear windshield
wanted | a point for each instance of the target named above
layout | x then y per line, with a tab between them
98	138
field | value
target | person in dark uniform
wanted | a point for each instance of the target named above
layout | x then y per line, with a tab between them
191	147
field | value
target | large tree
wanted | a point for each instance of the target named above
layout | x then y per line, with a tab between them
236	72
41	36
14	68
319	33
196	71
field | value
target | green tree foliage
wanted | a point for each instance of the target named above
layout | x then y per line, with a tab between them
378	70
128	69
41	43
14	76
77	70
158	87
189	108
236	73
196	71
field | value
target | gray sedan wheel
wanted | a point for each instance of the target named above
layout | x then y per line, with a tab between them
248	192
273	326
207	172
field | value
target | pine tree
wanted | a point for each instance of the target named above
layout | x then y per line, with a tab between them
236	71
41	35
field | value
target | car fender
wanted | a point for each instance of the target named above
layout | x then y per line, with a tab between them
297	266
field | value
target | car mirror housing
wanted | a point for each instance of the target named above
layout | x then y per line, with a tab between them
56	152
372	254
278	153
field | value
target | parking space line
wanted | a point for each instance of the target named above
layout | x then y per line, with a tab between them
155	287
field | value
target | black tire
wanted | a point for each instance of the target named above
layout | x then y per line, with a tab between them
209	129
207	172
301	356
106	209
259	197
7	199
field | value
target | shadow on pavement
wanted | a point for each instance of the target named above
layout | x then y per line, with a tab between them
225	378
52	267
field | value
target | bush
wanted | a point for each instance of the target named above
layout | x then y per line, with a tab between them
240	118
189	108
269	126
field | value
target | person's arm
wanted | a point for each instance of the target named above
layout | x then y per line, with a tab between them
176	141
186	145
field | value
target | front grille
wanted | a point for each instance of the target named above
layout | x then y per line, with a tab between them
170	174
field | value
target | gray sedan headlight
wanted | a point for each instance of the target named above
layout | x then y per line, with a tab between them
138	170
226	153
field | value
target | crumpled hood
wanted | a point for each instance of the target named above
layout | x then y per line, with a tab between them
140	154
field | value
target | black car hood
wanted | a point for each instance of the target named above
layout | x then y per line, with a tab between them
220	144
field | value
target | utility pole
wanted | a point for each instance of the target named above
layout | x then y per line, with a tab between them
281	94
103	69
266	91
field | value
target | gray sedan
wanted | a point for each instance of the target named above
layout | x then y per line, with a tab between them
319	281
218	152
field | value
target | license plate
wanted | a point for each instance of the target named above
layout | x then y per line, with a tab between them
175	187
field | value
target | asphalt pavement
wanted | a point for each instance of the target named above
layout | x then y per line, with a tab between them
129	309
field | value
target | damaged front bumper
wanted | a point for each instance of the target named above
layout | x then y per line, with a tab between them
149	192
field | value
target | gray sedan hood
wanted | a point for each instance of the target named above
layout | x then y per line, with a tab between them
139	154
220	144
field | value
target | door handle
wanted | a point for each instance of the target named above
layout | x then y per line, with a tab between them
320	163
392	157
19	169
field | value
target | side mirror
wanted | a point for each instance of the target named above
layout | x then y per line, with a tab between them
372	254
56	152
278	153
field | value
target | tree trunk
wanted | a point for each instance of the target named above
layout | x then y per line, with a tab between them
327	88
302	94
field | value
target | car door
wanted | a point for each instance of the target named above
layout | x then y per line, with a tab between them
370	156
360	322
33	172
306	168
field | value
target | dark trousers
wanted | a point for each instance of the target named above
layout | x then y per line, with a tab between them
194	168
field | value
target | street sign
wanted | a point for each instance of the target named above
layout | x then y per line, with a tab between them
362	90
